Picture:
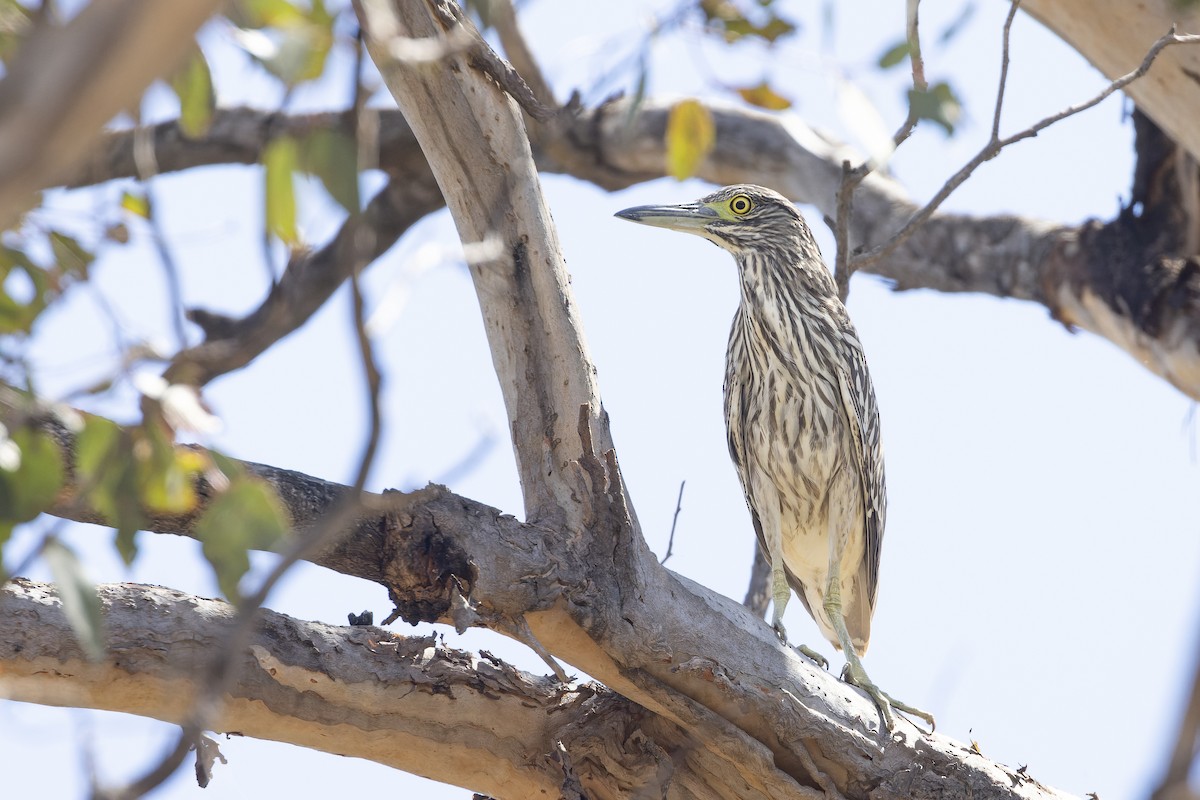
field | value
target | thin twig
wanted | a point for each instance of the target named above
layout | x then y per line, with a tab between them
913	36
147	166
484	58
1004	58
674	520
994	146
517	50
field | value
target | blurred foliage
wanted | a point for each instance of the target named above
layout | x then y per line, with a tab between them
81	604
736	20
31	475
280	162
938	104
690	135
193	86
28	285
14	23
289	40
246	516
764	96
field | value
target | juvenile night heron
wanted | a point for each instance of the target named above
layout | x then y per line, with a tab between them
801	417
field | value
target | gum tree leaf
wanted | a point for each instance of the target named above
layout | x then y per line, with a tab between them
71	256
690	135
108	471
938	104
136	204
331	156
33	485
894	55
764	96
246	516
80	602
280	161
194	87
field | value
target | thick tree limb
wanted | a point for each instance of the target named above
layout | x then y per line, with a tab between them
69	80
474	138
691	658
1142	296
409	703
1115	36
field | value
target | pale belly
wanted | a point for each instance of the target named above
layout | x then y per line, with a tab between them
800	480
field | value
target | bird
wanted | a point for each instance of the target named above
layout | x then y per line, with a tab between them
802	421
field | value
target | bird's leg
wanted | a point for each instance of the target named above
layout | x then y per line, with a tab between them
781	592
855	673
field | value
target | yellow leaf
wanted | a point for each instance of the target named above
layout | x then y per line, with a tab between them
764	96
280	160
691	133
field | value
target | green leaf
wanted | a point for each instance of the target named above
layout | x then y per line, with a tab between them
108	473
261	13
764	96
80	602
71	256
938	104
16	314
690	135
280	160
136	204
246	516
33	486
194	87
894	55
332	157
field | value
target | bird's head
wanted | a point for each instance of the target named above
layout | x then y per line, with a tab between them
741	218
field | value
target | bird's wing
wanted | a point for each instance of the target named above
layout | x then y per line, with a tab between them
858	402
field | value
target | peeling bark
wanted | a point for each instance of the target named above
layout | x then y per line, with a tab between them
760	721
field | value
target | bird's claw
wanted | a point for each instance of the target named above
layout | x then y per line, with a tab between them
813	656
884	701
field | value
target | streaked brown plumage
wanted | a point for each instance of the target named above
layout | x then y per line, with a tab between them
801	417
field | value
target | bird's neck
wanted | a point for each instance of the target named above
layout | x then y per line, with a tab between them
777	291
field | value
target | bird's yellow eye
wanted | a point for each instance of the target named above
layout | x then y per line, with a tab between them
740	204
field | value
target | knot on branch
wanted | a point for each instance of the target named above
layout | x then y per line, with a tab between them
427	574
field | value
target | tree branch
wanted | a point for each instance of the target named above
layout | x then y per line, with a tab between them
311	277
69	80
748	703
406	702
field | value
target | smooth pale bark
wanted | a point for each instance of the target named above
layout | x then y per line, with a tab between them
67	81
1114	36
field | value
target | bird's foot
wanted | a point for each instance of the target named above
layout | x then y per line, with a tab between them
854	674
780	631
813	656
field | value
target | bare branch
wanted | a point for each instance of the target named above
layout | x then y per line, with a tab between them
309	280
1004	57
67	81
674	521
913	37
994	146
504	18
448	715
